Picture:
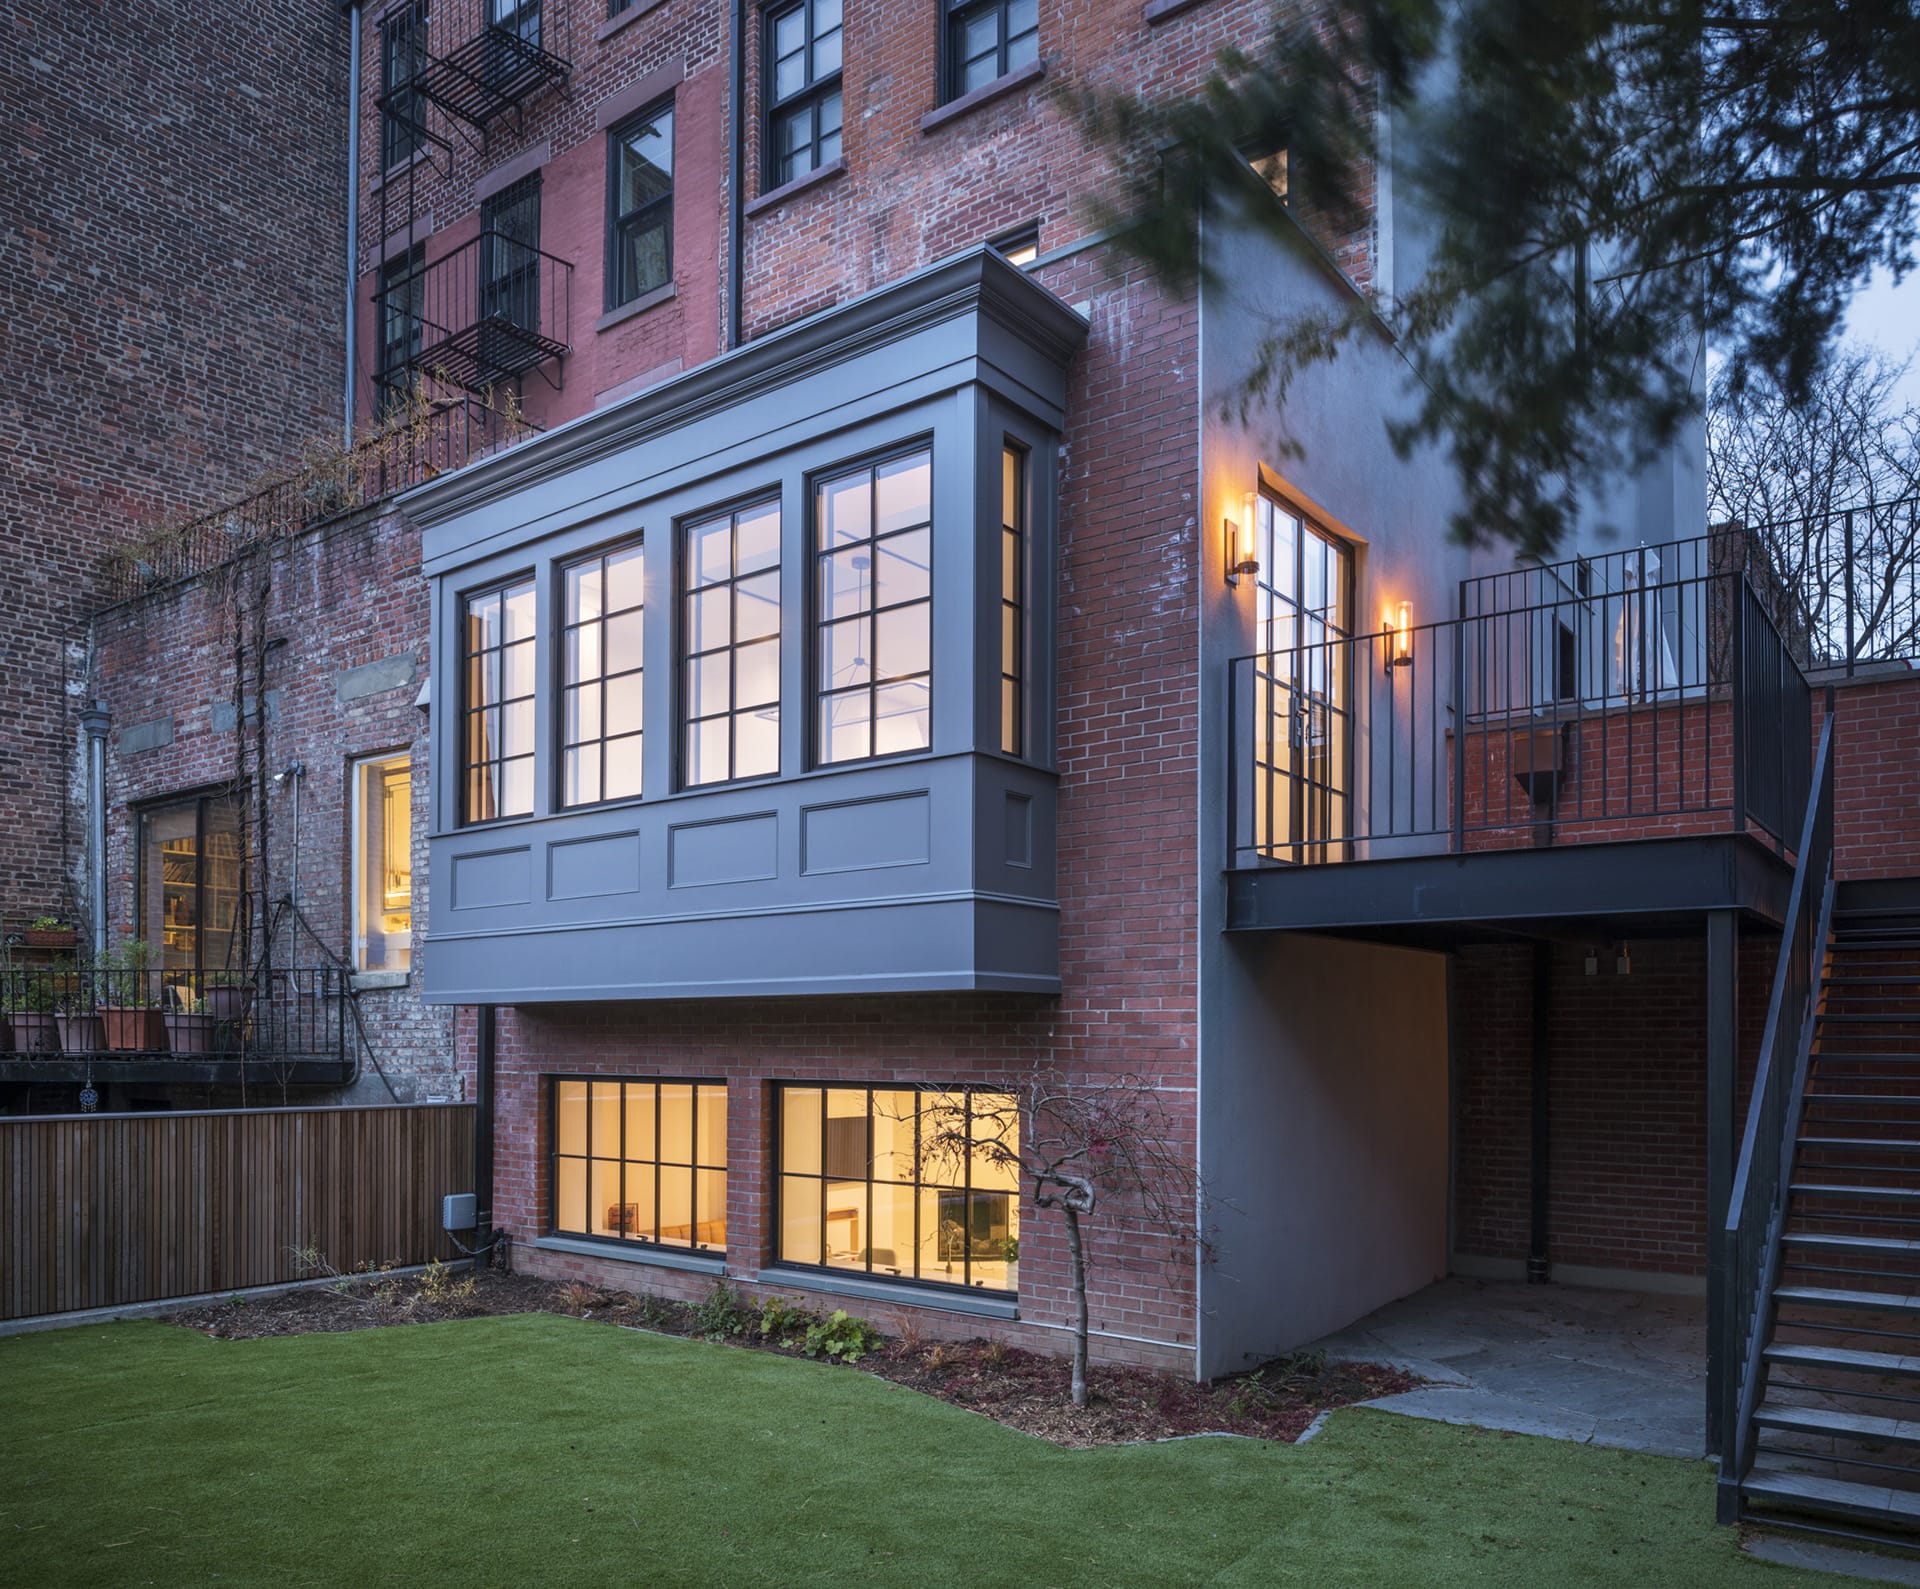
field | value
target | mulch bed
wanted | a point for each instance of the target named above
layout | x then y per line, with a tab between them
1024	1390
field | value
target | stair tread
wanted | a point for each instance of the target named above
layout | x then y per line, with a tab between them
1853	1359
1827	1420
1863	1097
1901	1244
1878	1144
1817	1492
1900	1194
1826	1297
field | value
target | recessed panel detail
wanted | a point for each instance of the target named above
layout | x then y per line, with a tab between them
733	850
861	835
587	868
491	878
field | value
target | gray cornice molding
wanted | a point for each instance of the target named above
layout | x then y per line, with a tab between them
979	280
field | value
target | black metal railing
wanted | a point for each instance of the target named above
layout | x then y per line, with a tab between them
1747	1253
487	312
269	1016
1844	585
1607	697
477	61
423	438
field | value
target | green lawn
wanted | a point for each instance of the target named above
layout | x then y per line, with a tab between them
536	1449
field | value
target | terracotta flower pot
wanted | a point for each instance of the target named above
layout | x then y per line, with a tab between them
82	1032
50	937
229	1002
133	1028
192	1034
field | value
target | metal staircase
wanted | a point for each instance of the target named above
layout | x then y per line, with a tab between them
1827	1439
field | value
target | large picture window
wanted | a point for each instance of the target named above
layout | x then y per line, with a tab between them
873	535
602	678
641	1161
987	39
862	1189
383	863
640	206
190	887
802	49
730	632
497	657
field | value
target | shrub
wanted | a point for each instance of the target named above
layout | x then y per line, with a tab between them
785	1323
842	1339
721	1313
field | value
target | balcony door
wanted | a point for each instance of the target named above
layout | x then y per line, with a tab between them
1302	686
509	271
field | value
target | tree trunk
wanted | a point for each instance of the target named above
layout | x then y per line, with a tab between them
1079	1306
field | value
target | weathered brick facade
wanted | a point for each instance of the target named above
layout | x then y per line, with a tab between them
172	277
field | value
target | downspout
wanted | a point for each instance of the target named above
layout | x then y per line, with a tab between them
483	1049
736	208
94	720
1539	1262
353	215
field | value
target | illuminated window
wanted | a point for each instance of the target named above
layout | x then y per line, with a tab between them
873	530
1021	246
730	670
383	864
190	887
602	681
497	632
871	1181
642	1161
1013	600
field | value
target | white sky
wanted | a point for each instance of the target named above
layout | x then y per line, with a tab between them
1888	318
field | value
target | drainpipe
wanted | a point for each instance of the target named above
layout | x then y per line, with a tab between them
94	720
1539	1266
736	208
483	1047
353	212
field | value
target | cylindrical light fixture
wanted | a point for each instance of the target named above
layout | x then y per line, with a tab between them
1239	548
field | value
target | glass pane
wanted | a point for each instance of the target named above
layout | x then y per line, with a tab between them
571	1196
640	1125
710	1208
1010	640
901	720
789	75
626	579
483	679
789	31
1010	716
982	32
516	671
996	1135
826	16
1022	50
622	768
901	642
843	583
646	164
756	743
626	705
943	1127
846	1230
676	1205
843	654
830	141
799	1219
712	1145
930	1265
894	1114
826	56
847	1144
757	607
707	751
845	511
605	1120
904	568
623	642
1009	486
709	689
756	674
583	653
709	552
583	591
708	627
845	726
483	623
516	788
519	612
982	71
516	729
992	1239
570	1124
892	1249
759	538
581	766
676	1123
605	1214
903	490
580	714
800	1130
639	1212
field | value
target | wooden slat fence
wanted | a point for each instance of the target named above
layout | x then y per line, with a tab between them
101	1210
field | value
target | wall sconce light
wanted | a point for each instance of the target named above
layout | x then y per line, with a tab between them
1623	962
1239	556
1399	648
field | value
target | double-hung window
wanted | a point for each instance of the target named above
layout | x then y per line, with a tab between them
730	645
510	255
641	1161
401	293
802	50
986	39
403	51
640	206
383	863
497	672
603	678
873	556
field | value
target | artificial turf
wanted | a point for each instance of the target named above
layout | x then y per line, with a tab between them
536	1449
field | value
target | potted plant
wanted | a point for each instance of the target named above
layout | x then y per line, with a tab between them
49	932
228	995
190	1029
81	1029
30	1009
129	999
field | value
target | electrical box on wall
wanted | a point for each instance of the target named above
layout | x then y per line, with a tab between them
457	1211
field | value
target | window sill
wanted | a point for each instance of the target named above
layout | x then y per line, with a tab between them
1165	10
977	1305
780	195
954	109
374	981
704	1263
627	18
636	306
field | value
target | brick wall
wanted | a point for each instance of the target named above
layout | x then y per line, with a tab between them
171	276
1876	817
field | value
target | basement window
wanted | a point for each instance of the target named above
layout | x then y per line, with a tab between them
641	1161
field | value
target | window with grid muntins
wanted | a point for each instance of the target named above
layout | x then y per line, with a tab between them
1013	600
988	39
402	285
641	1161
730	645
403	51
640	206
602	678
802	51
510	254
873	609
865	1186
497	653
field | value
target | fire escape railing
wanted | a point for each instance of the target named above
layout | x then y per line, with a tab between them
485	313
478	61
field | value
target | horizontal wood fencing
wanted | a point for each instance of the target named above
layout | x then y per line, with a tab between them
101	1210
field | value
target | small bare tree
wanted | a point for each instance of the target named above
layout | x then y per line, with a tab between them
1087	1146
